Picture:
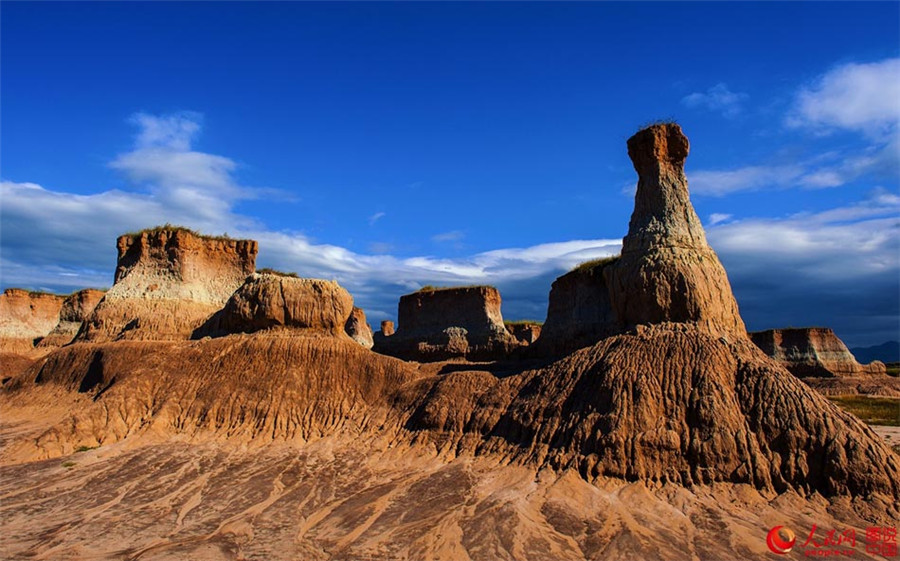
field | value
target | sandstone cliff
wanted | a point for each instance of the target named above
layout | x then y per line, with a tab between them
76	309
359	329
25	318
812	352
818	356
436	324
579	312
167	282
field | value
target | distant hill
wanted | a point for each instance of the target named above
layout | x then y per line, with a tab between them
885	352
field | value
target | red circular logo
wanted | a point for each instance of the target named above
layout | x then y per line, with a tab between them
780	540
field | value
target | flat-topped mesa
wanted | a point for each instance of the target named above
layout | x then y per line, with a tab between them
667	272
26	317
76	309
813	352
282	304
168	281
437	324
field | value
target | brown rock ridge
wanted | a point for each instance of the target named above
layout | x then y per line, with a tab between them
167	282
437	324
76	309
25	318
274	302
359	329
818	356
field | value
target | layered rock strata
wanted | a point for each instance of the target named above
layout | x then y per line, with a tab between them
76	309
813	352
167	283
437	324
25	318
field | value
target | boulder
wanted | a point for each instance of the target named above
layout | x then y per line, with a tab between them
273	302
168	281
358	329
442	323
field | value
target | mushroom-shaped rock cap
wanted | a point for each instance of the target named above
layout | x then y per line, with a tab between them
658	145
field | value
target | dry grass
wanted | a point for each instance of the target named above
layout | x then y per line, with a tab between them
595	263
871	410
432	288
268	271
167	227
523	322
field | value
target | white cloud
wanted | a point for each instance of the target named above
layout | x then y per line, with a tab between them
717	98
173	132
452	236
856	96
717	218
376	217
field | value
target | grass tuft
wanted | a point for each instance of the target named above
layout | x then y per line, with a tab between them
268	271
432	288
523	322
595	263
167	227
85	449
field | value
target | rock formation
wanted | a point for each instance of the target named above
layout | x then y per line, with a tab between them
525	332
812	352
437	324
818	356
387	328
579	312
76	309
276	302
358	329
667	271
167	282
25	318
672	412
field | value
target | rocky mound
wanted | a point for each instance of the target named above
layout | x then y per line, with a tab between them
76	309
359	329
167	282
813	352
442	323
275	302
25	318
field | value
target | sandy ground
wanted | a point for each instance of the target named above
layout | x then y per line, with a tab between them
348	499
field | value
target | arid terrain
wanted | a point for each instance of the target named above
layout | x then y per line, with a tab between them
204	410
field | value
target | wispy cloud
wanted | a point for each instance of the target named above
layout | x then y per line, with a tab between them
452	236
376	217
717	218
718	98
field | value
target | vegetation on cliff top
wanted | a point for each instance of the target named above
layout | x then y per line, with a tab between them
167	227
594	263
268	271
432	288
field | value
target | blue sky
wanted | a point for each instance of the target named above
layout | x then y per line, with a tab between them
393	145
